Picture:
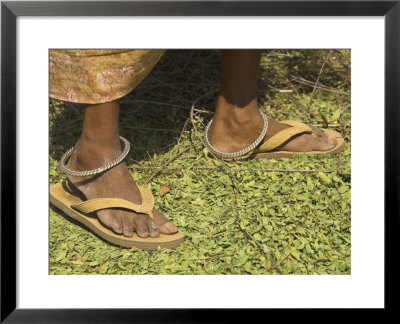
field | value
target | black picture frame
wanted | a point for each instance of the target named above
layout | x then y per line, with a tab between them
10	10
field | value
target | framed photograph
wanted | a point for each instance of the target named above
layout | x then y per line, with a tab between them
290	226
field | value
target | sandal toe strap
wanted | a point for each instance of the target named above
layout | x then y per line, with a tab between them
96	204
284	135
313	130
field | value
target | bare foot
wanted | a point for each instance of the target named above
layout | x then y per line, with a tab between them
114	183
235	128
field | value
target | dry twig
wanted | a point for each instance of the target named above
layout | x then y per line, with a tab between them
274	266
166	163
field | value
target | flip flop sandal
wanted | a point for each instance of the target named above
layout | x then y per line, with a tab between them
268	150
74	205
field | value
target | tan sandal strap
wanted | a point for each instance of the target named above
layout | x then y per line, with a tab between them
93	205
295	123
284	135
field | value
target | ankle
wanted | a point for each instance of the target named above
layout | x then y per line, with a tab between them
90	153
234	115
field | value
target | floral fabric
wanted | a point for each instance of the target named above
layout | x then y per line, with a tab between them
98	76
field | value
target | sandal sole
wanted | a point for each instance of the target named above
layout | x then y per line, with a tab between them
340	146
63	200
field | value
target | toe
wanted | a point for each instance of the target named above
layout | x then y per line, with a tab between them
323	144
164	225
116	224
141	227
105	217
152	226
110	219
332	141
127	225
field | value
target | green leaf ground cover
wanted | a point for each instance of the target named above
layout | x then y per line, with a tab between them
288	216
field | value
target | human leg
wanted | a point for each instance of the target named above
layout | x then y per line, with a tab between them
99	144
237	122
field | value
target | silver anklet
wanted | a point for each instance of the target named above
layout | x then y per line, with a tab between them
98	170
241	152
